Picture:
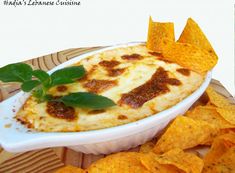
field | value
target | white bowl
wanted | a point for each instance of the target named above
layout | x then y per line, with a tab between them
17	138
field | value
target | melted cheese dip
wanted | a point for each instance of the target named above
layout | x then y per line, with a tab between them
139	81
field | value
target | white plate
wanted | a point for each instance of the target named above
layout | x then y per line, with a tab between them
17	138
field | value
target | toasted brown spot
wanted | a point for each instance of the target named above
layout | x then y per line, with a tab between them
60	110
98	86
96	111
84	78
109	64
134	56
122	117
159	56
88	74
61	88
24	122
41	118
155	54
115	72
184	71
166	61
173	81
157	85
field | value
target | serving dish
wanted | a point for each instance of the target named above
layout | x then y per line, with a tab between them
14	137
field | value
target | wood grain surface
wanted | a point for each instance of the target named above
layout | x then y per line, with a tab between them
47	160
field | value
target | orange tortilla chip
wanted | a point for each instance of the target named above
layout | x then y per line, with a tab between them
184	133
120	162
227	114
157	32
221	156
175	160
219	146
70	169
210	115
188	56
147	147
225	164
187	162
193	35
149	162
217	99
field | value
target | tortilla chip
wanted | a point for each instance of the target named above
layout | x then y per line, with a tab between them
70	169
192	34
188	56
187	162
175	160
157	32
210	115
228	139
151	164
227	114
124	162
221	156
147	147
218	100
184	133
226	163
220	146
225	131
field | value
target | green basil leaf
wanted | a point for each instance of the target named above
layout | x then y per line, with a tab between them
18	72
44	98
44	77
41	75
48	97
67	75
86	100
38	93
41	96
29	85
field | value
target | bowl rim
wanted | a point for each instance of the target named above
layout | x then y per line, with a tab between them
52	139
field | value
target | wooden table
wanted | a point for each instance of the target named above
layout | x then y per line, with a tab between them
47	160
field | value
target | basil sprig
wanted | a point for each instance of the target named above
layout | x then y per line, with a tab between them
39	82
18	72
86	100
